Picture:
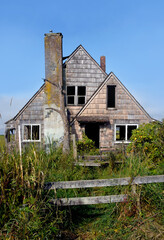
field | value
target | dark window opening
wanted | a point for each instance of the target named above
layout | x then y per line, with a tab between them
10	135
70	100
35	132
120	133
124	132
92	132
81	91
31	132
81	100
70	90
71	95
130	131
111	96
27	132
76	95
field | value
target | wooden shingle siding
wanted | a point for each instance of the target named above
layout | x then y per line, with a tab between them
81	70
126	111
33	114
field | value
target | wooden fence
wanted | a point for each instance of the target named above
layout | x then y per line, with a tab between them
99	183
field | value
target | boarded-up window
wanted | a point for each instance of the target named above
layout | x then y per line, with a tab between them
111	102
31	132
76	95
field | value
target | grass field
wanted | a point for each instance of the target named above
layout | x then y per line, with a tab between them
27	212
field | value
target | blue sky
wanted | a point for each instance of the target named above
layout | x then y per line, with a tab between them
130	33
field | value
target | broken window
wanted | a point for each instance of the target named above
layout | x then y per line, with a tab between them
111	96
123	132
31	132
10	135
76	95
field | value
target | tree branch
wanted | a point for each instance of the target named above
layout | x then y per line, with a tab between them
54	84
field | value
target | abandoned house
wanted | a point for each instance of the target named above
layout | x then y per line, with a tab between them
96	103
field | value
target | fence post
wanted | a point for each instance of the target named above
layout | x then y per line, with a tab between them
20	152
74	146
134	192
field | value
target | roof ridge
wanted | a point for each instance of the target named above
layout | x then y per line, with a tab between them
74	52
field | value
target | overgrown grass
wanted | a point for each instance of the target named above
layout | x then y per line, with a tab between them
2	141
26	212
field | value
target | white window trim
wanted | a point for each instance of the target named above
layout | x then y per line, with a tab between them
30	140
126	132
76	96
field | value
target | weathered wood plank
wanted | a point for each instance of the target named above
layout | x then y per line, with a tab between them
88	183
104	182
88	164
89	200
148	179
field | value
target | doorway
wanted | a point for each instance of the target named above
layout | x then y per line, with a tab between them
92	132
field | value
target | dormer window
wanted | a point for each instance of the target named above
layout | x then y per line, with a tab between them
76	95
111	96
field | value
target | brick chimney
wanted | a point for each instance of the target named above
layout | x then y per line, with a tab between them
102	63
53	66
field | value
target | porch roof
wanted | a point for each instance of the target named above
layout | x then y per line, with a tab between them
98	119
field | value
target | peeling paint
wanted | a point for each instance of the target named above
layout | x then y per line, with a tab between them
53	125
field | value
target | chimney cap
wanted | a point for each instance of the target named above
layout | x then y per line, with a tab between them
53	34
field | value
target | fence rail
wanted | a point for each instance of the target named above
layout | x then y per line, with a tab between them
104	182
99	183
89	200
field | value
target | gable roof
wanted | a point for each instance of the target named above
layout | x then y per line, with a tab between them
99	89
26	105
80	47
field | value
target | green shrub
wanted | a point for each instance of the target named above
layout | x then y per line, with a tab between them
148	142
86	145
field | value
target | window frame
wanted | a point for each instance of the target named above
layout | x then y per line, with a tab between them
126	131
115	100
76	96
31	125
